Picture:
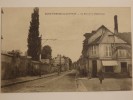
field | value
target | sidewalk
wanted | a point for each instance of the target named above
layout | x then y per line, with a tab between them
10	82
108	84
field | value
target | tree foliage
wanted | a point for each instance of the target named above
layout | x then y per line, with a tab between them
34	41
46	52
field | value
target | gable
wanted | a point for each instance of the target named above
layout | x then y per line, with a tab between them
97	34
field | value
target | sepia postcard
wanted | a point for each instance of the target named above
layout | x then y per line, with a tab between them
66	49
70	50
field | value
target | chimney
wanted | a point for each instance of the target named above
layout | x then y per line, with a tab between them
93	32
115	24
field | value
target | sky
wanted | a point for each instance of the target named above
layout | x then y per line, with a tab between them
67	28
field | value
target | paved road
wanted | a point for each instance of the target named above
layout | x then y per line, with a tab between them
66	82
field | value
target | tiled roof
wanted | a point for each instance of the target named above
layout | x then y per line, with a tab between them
125	36
96	40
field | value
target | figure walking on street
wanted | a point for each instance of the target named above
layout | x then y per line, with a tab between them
101	76
89	74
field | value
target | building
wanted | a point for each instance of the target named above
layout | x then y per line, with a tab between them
107	51
61	61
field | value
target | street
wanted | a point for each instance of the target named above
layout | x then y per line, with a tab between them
66	83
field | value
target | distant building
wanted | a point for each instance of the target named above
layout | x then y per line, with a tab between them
61	60
58	60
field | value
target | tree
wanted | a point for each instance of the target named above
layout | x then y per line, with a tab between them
46	52
34	41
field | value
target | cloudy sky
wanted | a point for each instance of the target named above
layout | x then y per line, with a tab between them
67	28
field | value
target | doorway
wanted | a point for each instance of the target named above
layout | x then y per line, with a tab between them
123	67
94	68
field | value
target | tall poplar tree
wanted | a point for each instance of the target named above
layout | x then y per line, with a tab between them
34	41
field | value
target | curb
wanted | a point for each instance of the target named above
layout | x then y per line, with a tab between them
6	85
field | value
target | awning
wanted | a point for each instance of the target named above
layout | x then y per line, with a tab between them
109	63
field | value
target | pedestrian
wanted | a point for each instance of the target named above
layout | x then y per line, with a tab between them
59	69
76	73
89	74
101	76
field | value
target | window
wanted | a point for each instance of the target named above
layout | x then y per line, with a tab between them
109	69
108	51
122	53
93	50
90	51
